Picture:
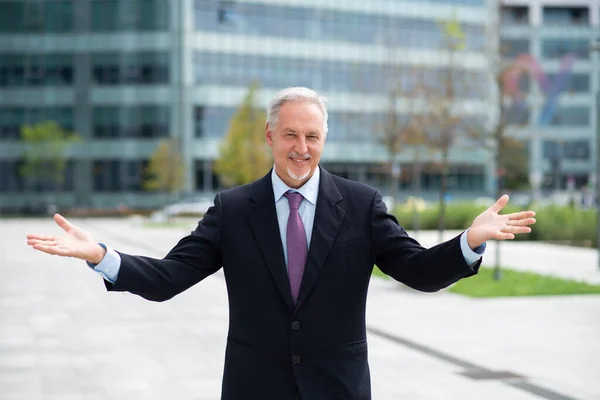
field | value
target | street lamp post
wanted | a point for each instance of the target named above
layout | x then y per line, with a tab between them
595	47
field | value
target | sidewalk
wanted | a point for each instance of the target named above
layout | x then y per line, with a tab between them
63	337
548	259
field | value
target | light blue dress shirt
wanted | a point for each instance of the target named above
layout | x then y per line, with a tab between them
108	268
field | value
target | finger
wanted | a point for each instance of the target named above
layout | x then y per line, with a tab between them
63	223
31	242
499	205
521	215
39	237
503	236
51	250
516	229
522	222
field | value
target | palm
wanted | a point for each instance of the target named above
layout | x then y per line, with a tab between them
490	225
74	243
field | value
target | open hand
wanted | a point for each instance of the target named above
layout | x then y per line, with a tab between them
76	243
490	225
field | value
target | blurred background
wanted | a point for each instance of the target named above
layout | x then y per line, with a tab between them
120	106
140	111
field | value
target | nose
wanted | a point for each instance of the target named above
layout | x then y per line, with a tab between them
301	147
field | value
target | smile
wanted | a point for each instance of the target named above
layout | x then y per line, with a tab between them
299	160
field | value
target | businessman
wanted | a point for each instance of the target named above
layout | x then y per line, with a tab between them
297	248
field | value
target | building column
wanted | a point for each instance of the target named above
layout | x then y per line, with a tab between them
82	109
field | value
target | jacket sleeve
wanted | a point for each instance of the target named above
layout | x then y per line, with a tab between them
195	257
405	260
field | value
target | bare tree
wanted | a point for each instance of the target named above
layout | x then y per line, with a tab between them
442	95
509	154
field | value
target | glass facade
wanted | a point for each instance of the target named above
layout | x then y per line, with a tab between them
571	116
131	15
323	25
13	118
213	68
11	179
114	175
130	122
558	48
130	68
18	16
100	73
566	16
22	70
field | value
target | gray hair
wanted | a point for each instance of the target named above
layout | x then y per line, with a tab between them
295	94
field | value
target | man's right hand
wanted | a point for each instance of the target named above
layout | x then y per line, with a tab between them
76	243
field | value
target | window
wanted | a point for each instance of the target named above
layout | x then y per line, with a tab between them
130	15
514	15
557	48
517	114
571	116
110	175
130	68
512	48
36	16
578	150
106	176
256	19
36	70
276	72
13	118
212	121
570	16
132	122
574	83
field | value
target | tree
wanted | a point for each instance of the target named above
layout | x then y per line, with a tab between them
166	169
510	155
441	99
45	157
244	155
404	131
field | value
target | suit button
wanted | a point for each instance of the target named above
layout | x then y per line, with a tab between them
295	325
296	359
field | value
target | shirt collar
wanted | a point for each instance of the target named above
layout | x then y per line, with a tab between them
310	190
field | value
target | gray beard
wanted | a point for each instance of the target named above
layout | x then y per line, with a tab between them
298	177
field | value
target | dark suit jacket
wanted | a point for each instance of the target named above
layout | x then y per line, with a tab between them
318	347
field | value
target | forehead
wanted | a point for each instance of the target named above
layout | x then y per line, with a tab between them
301	114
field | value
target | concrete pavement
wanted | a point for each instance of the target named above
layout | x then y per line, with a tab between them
63	337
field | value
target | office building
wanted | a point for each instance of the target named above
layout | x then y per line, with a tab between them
124	74
559	79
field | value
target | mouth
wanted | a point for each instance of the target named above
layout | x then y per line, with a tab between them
299	161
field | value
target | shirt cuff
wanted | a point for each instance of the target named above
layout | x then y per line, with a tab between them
471	256
109	267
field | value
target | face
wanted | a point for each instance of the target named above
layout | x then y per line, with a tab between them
297	142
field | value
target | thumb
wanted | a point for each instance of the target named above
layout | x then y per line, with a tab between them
500	204
63	223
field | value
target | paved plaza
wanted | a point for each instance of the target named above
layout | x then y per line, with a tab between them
62	336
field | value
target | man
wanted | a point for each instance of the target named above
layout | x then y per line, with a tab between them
297	249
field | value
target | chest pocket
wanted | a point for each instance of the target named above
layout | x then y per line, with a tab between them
345	247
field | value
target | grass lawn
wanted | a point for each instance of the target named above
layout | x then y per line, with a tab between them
515	283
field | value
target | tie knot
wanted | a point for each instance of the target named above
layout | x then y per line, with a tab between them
294	198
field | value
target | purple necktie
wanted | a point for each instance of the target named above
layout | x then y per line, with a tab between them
296	243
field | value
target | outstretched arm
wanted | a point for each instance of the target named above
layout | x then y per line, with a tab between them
404	259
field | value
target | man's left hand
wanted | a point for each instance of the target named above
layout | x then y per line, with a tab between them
490	225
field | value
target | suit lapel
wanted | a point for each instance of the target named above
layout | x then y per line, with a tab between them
263	220
328	219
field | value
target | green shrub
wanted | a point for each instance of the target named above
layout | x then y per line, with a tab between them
567	225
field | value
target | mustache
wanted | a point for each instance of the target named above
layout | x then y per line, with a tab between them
296	155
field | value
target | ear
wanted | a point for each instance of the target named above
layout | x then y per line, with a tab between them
268	135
